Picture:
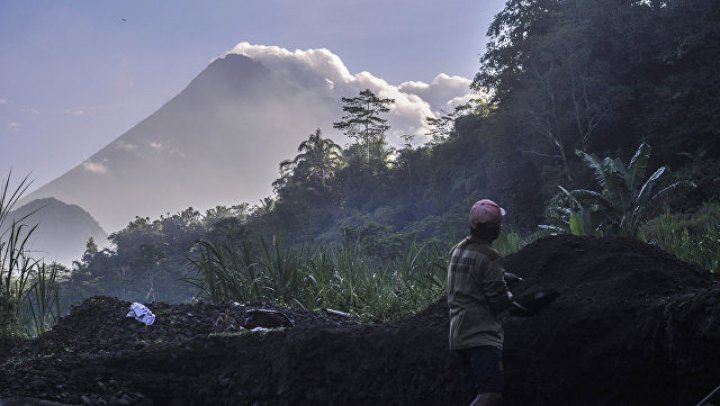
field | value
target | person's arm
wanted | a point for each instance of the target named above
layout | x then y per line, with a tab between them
512	280
496	290
495	287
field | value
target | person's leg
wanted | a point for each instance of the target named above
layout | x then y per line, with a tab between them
468	387
487	374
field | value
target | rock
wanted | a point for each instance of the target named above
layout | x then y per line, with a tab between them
266	318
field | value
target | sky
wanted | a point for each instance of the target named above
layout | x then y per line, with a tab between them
75	75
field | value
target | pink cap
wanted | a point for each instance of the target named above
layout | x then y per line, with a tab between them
486	211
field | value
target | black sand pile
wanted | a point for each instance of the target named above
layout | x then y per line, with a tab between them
633	326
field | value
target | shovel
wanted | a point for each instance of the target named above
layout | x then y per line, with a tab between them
538	300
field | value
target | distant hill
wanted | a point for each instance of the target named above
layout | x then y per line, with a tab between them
63	229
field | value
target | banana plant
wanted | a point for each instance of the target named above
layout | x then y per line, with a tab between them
625	201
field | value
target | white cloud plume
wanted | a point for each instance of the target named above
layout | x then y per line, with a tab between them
321	69
95	167
444	93
3	101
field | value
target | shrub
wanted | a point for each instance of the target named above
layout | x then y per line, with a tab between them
692	238
625	202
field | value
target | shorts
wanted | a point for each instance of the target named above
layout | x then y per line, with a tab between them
485	366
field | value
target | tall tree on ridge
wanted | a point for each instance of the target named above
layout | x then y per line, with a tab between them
364	123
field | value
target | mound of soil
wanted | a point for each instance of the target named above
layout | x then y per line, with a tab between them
633	325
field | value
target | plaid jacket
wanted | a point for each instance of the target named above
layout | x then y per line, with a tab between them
476	288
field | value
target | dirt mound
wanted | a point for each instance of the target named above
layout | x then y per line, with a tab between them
100	324
633	325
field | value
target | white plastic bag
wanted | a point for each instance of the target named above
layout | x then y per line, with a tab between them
141	313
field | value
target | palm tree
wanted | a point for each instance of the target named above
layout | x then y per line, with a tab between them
317	159
626	200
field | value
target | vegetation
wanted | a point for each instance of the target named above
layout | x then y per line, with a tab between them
626	201
29	296
316	163
693	238
149	257
342	278
365	124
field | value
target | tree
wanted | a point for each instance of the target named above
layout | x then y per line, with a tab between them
683	93
443	127
549	64
626	200
317	159
219	213
91	249
365	124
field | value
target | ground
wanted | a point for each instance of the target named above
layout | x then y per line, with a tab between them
632	326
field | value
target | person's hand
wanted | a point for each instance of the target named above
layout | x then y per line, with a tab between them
511	279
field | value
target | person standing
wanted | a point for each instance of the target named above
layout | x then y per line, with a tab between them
477	293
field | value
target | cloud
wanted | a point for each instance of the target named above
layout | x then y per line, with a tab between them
158	146
95	167
320	62
459	101
14	127
126	146
443	94
75	112
3	101
316	69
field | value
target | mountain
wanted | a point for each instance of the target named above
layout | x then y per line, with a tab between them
63	229
220	140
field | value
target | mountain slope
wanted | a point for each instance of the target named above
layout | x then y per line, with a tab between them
218	142
63	230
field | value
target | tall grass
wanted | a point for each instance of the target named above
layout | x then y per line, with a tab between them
42	303
15	266
29	294
341	277
694	239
